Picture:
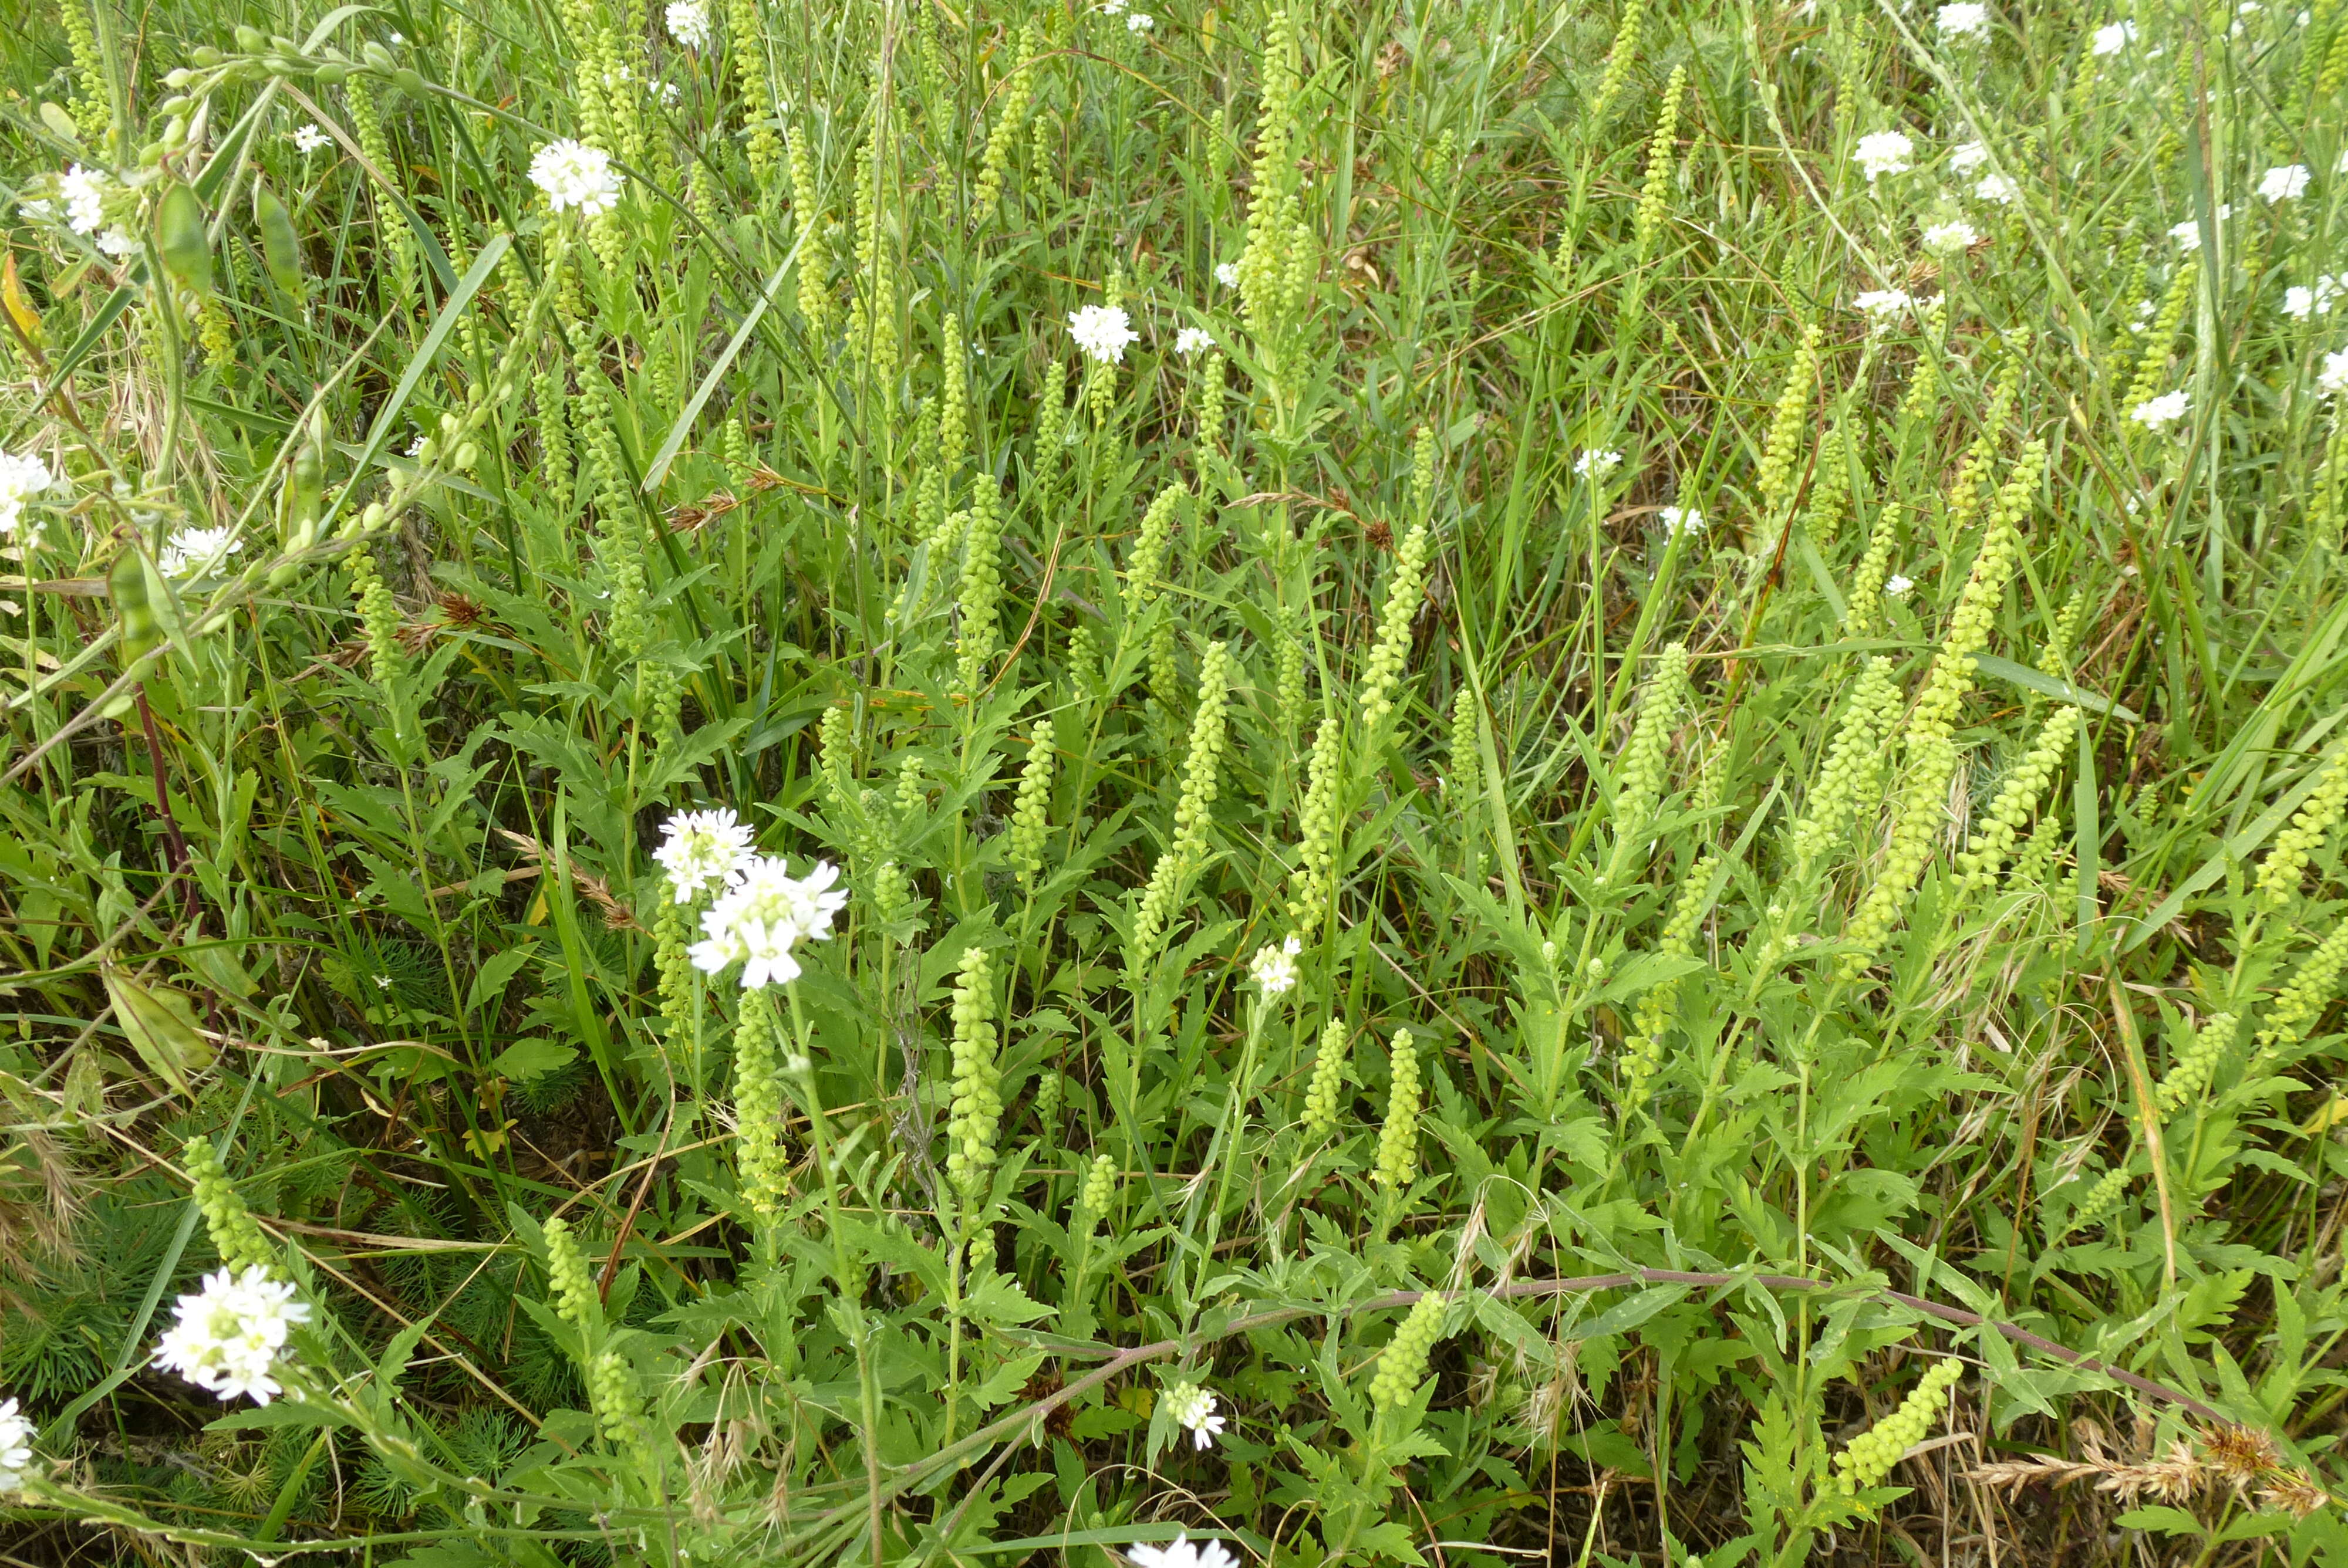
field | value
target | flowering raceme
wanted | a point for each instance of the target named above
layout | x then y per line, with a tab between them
573	174
229	1337
1273	969
1193	1407
762	914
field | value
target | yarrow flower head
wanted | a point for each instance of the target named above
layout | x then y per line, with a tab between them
1191	340
1897	586
1884	303
688	23
1965	20
2303	303
21	480
2187	235
1273	969
308	138
198	553
701	849
1183	1552
2332	381
1883	152
573	174
762	914
1948	238
1193	1407
1228	274
1678	517
15	1447
82	190
1102	332
1597	462
2154	412
2287	182
1998	187
229	1337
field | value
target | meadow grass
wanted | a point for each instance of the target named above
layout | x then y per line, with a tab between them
1178	783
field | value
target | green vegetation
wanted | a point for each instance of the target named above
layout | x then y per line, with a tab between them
1413	783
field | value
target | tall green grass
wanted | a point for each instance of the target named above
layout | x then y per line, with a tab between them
1526	886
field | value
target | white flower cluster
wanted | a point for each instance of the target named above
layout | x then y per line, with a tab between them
15	1447
231	1335
2112	39
1191	340
1193	1408
1273	969
2154	413
21	480
1966	21
1183	1552
573	174
1950	237
1102	332
2332	381
701	849
764	913
688	23
2286	183
1597	462
2187	235
1882	152
1228	274
1884	304
1678	517
198	553
308	138
84	193
2303	303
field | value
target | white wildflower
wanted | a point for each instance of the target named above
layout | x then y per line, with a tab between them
1948	238
198	553
1228	274
1102	332
573	174
1194	1408
664	94
1884	303
21	480
2332	381
1113	7
308	138
15	1447
2285	182
1597	462
1898	586
1998	187
1965	20
1678	517
688	23
1966	157
1191	340
117	241
1183	1552
762	914
2112	38
701	849
82	190
1273	969
2154	412
2187	235
1883	152
1141	22
229	1337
